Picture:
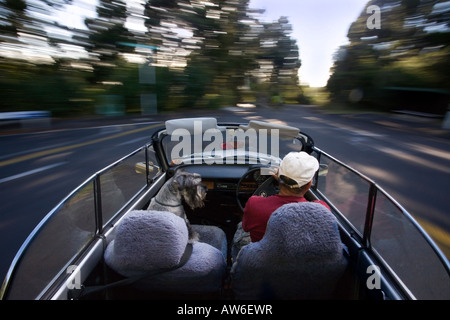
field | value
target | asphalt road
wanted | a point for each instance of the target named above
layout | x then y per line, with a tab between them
409	157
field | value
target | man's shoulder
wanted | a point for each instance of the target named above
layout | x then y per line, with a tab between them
259	199
279	200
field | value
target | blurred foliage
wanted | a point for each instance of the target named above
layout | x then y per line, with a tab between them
205	53
410	51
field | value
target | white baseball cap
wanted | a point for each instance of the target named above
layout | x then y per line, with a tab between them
299	166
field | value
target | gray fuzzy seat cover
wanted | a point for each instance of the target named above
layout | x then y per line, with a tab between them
153	240
212	235
299	257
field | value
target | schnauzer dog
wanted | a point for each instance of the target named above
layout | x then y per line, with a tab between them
182	186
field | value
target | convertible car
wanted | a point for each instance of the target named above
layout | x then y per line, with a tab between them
104	242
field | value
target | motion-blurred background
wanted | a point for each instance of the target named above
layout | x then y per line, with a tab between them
116	57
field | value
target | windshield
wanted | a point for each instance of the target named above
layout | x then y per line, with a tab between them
229	145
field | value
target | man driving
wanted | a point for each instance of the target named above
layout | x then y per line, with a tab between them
295	175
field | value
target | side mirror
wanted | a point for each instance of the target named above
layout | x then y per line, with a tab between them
140	167
323	169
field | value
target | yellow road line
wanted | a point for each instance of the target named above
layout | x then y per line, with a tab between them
439	235
74	146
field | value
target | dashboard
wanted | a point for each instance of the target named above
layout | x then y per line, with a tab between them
221	208
226	177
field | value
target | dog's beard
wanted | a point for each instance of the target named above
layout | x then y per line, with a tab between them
194	197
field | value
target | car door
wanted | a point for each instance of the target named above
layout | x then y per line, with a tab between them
75	228
390	241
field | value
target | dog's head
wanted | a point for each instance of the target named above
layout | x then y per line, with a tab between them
191	188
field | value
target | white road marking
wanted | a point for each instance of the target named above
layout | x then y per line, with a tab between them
27	173
133	141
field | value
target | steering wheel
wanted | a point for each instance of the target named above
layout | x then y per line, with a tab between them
265	189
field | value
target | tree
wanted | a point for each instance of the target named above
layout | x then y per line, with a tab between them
25	25
280	51
410	49
106	33
13	18
208	53
226	44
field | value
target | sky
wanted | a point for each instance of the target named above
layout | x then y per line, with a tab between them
319	26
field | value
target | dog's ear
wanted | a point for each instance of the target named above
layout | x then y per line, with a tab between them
179	181
176	180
